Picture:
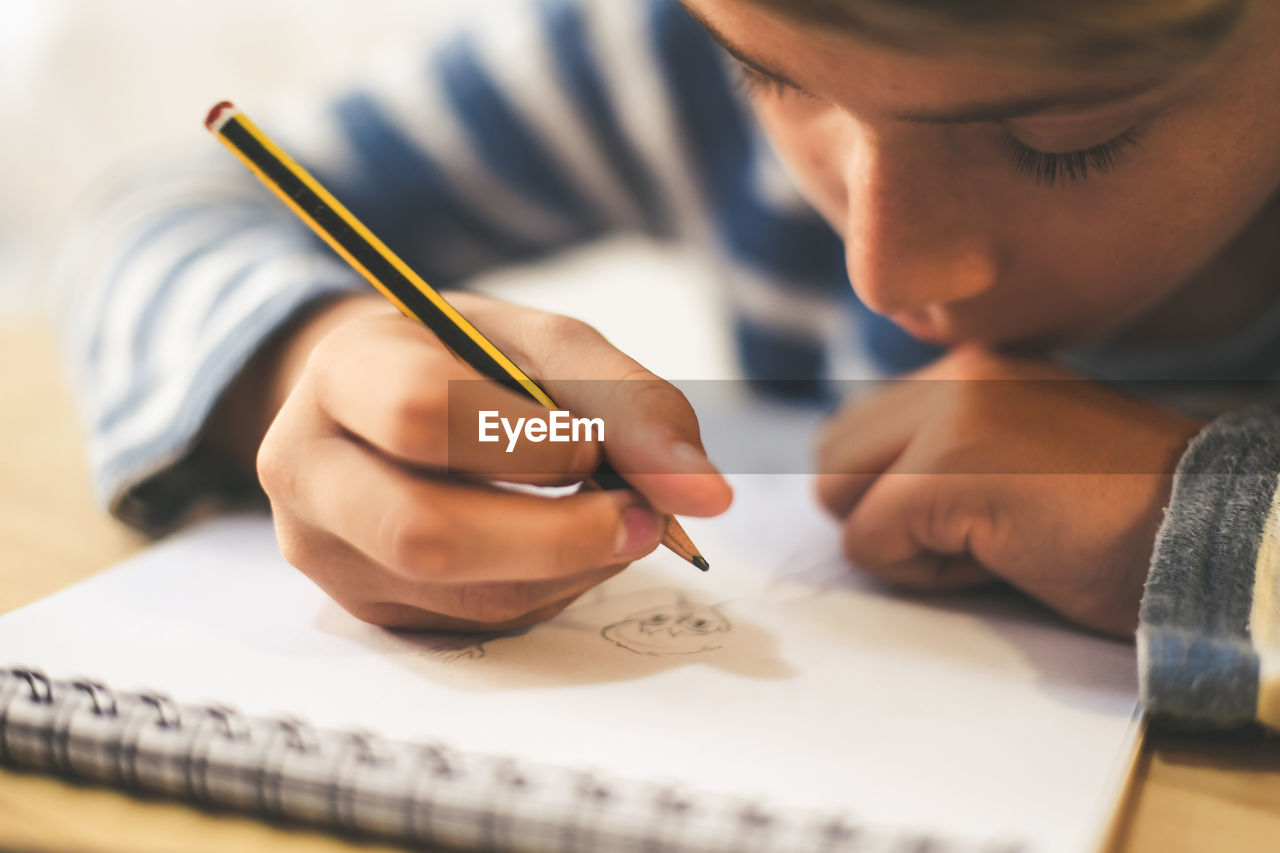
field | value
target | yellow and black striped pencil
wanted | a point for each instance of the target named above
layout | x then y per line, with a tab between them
393	278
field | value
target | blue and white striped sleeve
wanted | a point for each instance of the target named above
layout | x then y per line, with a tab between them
1209	632
545	126
165	293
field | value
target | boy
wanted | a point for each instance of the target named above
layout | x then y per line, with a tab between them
1088	185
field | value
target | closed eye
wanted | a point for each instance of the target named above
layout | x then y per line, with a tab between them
1051	169
756	82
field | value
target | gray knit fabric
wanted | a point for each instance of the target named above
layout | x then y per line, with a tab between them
1198	665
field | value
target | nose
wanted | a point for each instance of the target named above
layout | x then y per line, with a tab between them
914	237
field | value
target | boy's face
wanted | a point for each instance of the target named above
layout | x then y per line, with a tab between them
928	167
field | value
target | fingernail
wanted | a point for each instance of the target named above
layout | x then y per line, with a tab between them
638	532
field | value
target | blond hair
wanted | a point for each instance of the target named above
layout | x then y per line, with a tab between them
1065	31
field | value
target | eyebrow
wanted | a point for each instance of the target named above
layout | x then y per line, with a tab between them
974	113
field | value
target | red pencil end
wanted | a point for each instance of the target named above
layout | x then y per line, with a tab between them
216	113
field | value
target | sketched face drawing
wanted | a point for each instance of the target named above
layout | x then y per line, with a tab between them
680	628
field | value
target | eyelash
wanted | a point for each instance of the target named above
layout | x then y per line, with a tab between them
1070	166
753	82
1045	168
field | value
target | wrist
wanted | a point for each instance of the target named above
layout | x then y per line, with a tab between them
241	418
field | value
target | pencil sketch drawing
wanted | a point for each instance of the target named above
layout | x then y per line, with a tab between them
679	628
453	647
449	647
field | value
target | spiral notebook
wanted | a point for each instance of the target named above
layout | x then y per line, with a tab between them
780	702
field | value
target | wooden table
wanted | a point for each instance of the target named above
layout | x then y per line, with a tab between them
1188	794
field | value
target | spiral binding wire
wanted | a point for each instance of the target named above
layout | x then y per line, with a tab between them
358	783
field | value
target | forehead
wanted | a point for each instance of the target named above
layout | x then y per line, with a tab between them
829	61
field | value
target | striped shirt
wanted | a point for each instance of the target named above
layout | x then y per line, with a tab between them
559	123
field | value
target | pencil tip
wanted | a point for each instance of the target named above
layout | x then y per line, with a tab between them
700	562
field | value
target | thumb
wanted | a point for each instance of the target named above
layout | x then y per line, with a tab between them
651	434
656	445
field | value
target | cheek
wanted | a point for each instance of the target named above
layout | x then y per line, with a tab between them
1167	215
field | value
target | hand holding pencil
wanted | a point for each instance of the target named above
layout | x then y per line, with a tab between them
397	522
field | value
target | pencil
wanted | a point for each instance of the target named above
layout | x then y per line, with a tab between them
393	278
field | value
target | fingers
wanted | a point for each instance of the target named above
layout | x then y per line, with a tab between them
391	614
919	531
433	530
838	493
393	385
394	553
358	467
652	435
655	444
373	594
935	572
863	439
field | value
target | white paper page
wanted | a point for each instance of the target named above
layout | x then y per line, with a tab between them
976	715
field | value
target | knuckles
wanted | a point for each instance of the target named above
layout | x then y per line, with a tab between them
336	348
649	393
414	401
854	543
542	338
417	542
272	465
413	397
830	490
831	437
544	326
298	549
416	413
